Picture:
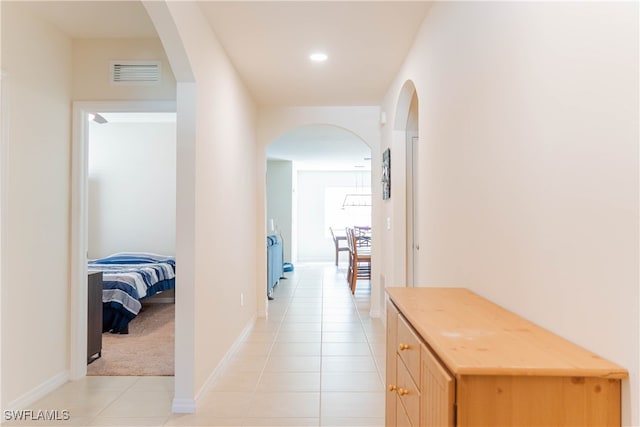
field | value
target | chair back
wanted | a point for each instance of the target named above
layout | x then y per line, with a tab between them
362	236
333	235
351	241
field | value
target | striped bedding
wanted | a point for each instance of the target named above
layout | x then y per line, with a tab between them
127	278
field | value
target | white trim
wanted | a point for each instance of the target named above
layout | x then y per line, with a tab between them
226	359
188	406
38	392
79	218
183	406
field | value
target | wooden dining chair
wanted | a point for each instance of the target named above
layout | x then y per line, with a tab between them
359	261
336	241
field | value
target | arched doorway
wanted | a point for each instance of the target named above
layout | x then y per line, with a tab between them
406	129
310	171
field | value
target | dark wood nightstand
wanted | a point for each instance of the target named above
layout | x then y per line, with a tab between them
94	316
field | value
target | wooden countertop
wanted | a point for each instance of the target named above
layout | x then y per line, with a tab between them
474	336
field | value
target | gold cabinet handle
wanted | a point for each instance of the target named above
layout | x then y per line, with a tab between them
403	392
392	387
404	347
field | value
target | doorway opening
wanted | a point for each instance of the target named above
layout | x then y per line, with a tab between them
131	237
318	182
91	230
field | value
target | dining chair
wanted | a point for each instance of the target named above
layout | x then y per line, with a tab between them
336	241
360	261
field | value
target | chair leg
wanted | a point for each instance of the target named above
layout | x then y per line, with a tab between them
355	277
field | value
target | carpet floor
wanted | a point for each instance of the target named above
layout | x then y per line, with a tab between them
148	349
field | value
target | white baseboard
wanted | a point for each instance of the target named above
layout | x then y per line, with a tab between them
225	360
183	406
37	393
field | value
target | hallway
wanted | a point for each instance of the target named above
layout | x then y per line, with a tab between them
318	360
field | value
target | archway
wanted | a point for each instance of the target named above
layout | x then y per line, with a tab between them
406	133
311	171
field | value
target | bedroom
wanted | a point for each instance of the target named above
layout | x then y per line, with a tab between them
131	210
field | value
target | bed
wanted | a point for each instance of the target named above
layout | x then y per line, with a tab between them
128	278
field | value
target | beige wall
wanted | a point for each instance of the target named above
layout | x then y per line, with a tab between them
92	73
35	329
224	201
528	117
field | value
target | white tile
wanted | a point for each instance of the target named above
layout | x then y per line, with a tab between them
295	349
299	336
293	364
146	404
348	364
354	405
352	422
129	422
351	381
285	405
281	422
345	349
224	404
289	381
349	336
202	420
236	381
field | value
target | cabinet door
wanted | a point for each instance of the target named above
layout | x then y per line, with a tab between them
392	328
438	392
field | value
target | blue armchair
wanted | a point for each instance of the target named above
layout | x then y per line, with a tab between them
274	263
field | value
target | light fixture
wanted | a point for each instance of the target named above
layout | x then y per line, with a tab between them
95	117
318	57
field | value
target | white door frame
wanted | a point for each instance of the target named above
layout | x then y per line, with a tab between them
79	217
413	245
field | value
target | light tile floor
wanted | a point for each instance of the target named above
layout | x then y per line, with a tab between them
318	360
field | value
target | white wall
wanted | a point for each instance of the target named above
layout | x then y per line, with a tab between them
132	188
279	201
314	242
529	165
35	329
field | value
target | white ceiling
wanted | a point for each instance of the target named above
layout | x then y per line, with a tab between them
269	43
97	19
322	148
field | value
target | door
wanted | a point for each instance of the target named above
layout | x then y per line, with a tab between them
413	218
413	245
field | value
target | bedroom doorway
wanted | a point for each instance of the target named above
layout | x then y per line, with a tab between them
95	221
132	205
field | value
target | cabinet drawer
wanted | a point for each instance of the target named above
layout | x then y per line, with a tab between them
401	420
408	394
408	347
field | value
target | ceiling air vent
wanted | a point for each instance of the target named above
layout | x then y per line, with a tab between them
135	72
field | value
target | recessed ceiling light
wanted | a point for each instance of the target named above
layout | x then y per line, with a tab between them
318	57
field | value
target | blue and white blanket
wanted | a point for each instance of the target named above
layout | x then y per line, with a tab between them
130	276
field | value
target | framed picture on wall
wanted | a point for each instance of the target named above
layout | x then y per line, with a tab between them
386	174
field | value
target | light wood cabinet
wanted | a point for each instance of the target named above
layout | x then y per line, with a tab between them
456	359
